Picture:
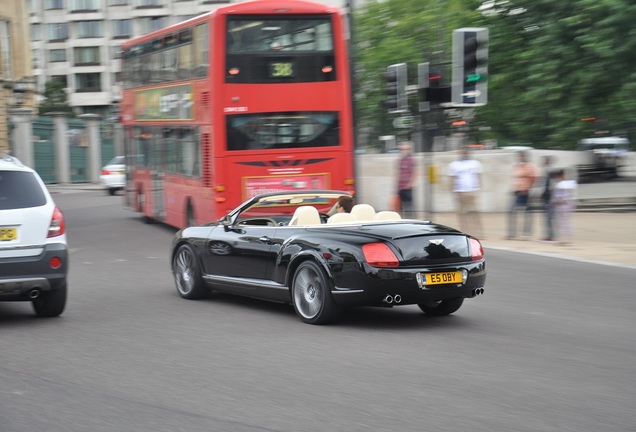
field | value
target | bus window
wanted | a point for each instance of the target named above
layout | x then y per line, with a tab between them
201	50
290	49
282	130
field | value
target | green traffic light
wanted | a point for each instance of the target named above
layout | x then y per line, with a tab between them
473	78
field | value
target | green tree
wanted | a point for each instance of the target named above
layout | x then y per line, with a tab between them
398	31
554	63
550	63
55	99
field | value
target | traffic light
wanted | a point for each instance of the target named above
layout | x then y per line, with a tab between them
395	77
470	67
433	87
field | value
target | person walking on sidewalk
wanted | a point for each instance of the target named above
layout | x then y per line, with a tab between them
525	174
546	198
406	178
564	201
465	176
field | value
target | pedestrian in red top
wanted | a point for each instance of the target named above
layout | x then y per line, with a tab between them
525	174
406	178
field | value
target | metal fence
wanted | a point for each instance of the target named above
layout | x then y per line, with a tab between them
76	136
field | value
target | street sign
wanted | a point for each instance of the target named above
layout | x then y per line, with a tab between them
404	122
472	94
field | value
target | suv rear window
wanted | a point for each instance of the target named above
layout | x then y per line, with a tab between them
20	189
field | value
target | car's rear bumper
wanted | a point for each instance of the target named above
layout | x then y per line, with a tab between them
19	277
372	286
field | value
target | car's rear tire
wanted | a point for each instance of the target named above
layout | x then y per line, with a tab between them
187	274
442	307
311	295
112	191
50	303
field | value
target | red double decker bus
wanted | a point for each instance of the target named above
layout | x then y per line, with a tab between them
250	98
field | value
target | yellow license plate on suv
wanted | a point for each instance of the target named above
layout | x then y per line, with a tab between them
441	278
8	234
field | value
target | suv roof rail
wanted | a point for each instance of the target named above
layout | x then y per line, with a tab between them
8	158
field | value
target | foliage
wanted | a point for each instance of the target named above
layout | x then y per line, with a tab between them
397	31
550	64
55	99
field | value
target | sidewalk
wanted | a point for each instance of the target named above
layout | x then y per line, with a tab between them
598	236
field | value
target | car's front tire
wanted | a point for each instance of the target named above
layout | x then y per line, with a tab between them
442	307
187	274
50	303
311	295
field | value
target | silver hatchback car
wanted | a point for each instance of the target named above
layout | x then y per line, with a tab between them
33	249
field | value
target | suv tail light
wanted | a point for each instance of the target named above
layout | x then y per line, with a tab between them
57	227
379	255
476	250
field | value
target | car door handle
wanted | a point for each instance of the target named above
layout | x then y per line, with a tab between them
265	239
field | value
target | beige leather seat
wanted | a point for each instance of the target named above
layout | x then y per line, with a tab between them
363	212
305	215
341	218
387	215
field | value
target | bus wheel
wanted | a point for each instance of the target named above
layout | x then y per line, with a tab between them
189	215
140	201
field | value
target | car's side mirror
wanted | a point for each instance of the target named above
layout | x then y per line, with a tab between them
226	221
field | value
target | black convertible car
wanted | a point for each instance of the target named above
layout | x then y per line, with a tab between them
284	247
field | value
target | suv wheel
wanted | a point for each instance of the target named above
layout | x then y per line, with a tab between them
50	303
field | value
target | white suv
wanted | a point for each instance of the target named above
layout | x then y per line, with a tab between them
33	248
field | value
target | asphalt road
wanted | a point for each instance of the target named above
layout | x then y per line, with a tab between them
549	347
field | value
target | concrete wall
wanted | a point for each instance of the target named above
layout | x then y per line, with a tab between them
377	177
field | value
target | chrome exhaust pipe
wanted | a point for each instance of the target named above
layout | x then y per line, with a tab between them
397	299
388	299
478	291
34	293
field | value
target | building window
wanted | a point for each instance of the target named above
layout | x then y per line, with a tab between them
84	5
88	82
122	29
115	52
34	6
57	55
149	24
53	4
60	78
56	32
36	32
148	3
90	29
86	56
6	71
35	58
118	2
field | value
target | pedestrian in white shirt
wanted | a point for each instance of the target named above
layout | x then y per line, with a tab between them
564	202
465	175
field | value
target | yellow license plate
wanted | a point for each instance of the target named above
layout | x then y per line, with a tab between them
442	278
8	234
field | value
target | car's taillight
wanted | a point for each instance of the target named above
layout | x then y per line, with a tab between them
105	172
57	226
476	250
379	255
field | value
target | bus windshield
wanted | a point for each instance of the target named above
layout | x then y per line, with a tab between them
279	50
258	35
282	130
